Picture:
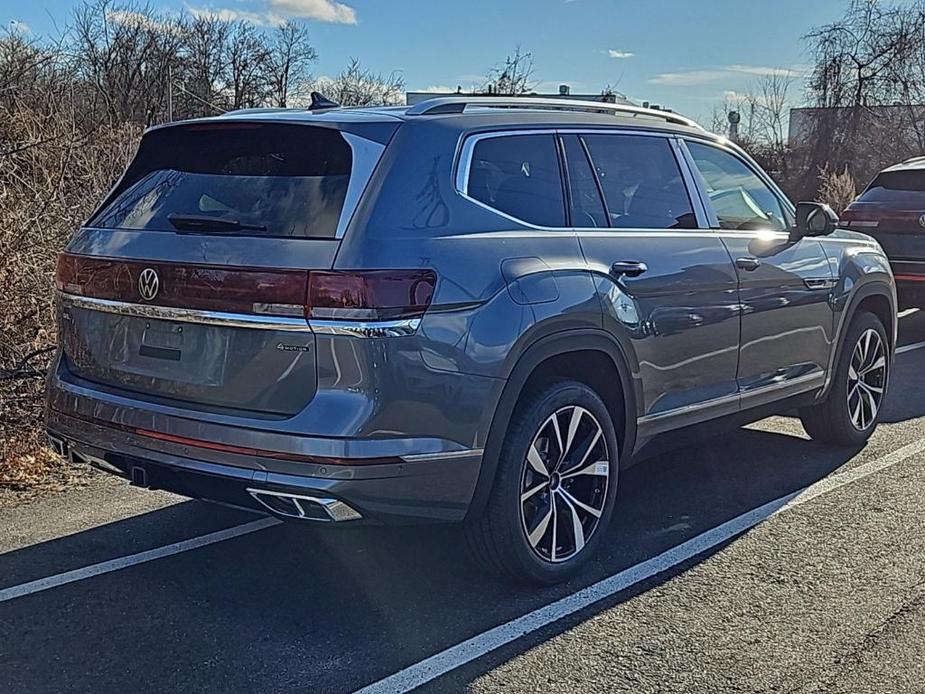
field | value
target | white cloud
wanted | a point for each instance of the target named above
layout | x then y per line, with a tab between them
322	10
138	19
278	11
619	55
18	27
226	14
692	78
438	89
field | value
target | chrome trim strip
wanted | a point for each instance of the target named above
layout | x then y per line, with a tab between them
393	328
186	315
800	383
464	165
449	455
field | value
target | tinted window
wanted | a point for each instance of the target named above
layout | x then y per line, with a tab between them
251	179
901	187
642	183
739	197
586	206
519	175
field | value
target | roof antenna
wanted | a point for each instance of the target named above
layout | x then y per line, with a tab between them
321	102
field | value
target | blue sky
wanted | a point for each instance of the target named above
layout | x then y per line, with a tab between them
679	53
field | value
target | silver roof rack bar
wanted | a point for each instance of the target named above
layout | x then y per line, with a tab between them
458	104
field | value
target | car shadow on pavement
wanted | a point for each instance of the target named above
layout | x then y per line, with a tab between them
334	609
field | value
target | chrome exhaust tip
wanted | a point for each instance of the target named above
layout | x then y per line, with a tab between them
313	508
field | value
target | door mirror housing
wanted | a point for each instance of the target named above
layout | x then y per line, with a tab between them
814	219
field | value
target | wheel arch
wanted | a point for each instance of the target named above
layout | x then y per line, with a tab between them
586	351
876	296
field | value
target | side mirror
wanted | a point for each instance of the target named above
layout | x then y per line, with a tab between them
814	219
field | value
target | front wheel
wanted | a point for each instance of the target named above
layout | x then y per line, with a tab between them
554	490
851	411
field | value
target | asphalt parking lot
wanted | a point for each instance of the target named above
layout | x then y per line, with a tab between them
744	559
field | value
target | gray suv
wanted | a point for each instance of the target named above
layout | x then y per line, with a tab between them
469	310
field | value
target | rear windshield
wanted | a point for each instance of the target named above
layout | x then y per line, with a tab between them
903	187
252	179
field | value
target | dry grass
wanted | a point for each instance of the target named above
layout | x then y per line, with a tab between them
837	189
28	475
55	165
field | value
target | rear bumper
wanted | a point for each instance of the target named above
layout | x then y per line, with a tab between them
910	283
422	488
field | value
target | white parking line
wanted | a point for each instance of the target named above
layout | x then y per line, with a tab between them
133	559
456	656
626	577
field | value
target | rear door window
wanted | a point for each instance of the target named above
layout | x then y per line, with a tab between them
519	176
585	204
898	187
739	197
251	179
642	182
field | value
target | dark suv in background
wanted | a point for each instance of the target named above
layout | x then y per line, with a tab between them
892	210
465	311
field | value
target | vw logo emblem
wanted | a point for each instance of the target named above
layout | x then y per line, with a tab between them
148	284
922	221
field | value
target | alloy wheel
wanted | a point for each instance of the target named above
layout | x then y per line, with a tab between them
867	375
564	484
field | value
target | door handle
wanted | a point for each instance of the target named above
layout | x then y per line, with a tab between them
748	264
628	268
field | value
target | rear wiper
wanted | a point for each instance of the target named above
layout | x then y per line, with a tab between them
200	222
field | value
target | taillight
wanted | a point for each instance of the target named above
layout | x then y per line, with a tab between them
357	295
859	219
870	216
264	291
369	295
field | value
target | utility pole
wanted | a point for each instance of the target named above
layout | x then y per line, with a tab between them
170	93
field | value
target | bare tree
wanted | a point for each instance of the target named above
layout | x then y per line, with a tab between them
126	54
359	86
868	84
248	61
289	62
513	77
200	80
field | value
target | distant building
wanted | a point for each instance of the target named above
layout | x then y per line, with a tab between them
565	92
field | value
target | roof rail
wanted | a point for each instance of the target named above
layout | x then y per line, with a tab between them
458	104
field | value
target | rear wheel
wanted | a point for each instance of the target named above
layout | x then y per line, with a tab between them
555	487
850	412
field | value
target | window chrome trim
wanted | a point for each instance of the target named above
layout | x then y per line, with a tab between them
186	315
464	165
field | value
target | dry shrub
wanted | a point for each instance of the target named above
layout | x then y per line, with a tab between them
55	164
836	189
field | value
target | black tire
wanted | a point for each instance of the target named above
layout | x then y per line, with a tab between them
835	420
499	538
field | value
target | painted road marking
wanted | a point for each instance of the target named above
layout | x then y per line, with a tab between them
456	656
133	559
626	576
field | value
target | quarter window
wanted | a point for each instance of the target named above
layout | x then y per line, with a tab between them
739	197
642	182
519	175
